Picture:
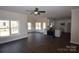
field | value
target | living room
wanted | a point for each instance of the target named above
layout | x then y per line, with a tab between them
51	29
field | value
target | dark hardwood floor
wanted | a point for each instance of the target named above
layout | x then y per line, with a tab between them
39	43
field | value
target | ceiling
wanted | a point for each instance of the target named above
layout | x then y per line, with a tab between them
54	11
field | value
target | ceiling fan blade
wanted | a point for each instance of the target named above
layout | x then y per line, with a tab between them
42	11
36	9
38	13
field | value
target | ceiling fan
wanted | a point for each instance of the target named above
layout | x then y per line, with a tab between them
36	11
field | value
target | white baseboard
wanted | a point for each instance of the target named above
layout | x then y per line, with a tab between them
74	42
6	41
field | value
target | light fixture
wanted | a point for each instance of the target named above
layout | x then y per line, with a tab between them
36	12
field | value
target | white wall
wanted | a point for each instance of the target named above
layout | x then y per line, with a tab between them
75	26
59	21
21	18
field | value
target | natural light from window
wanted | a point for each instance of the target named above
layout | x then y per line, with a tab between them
14	27
29	26
8	27
4	28
38	25
44	25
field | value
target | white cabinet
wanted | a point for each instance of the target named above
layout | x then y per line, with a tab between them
57	33
45	32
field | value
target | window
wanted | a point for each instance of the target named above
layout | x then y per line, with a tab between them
38	25
4	28
8	27
14	27
29	26
44	25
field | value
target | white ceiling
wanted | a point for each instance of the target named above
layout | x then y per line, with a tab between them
54	11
